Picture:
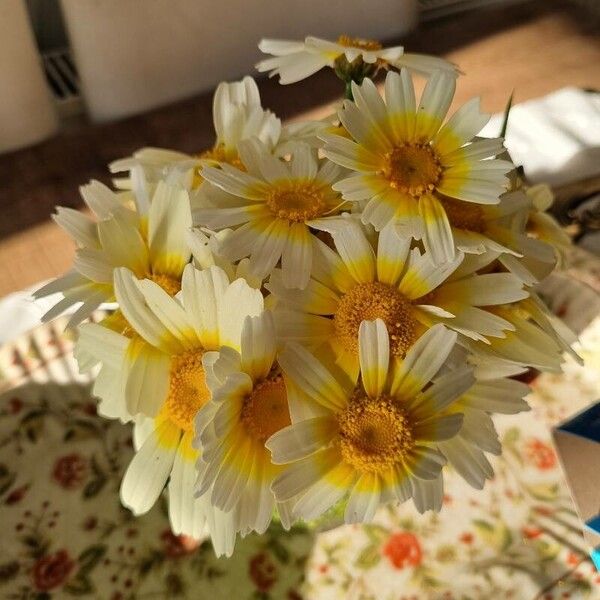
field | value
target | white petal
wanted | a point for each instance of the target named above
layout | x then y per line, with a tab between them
364	499
302	474
437	238
423	361
428	494
315	380
434	104
104	345
123	245
102	201
203	292
147	381
296	260
144	321
78	226
258	345
444	391
168	220
461	128
170	312
301	439
352	245
239	301
392	251
374	356
468	461
149	469
268	248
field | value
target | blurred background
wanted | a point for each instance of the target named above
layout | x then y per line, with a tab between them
87	81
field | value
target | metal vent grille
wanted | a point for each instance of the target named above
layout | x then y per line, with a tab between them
63	80
433	9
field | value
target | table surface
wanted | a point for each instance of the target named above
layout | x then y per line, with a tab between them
532	48
66	535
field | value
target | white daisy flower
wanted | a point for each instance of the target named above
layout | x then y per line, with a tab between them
276	204
249	404
409	163
372	441
466	452
237	115
150	241
163	383
391	282
535	339
294	61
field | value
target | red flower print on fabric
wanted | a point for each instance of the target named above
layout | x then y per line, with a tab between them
540	454
403	550
262	571
52	570
70	471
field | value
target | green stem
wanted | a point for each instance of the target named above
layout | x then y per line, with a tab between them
348	90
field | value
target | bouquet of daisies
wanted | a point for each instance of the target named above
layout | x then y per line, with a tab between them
316	316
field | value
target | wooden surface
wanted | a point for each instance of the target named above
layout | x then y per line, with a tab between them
533	48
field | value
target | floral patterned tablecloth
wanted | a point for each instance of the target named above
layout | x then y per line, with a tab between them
65	534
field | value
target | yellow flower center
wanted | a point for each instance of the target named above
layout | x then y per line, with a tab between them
352	42
464	215
374	433
218	154
412	168
265	410
376	300
187	390
171	285
297	201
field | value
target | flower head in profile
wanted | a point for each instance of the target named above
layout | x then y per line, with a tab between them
542	226
413	169
148	238
271	206
350	57
159	378
237	115
373	442
249	404
536	338
467	452
383	278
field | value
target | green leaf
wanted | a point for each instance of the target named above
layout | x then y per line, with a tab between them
79	586
376	533
544	491
506	115
369	557
93	487
279	550
547	550
90	557
80	430
32	424
498	536
511	436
